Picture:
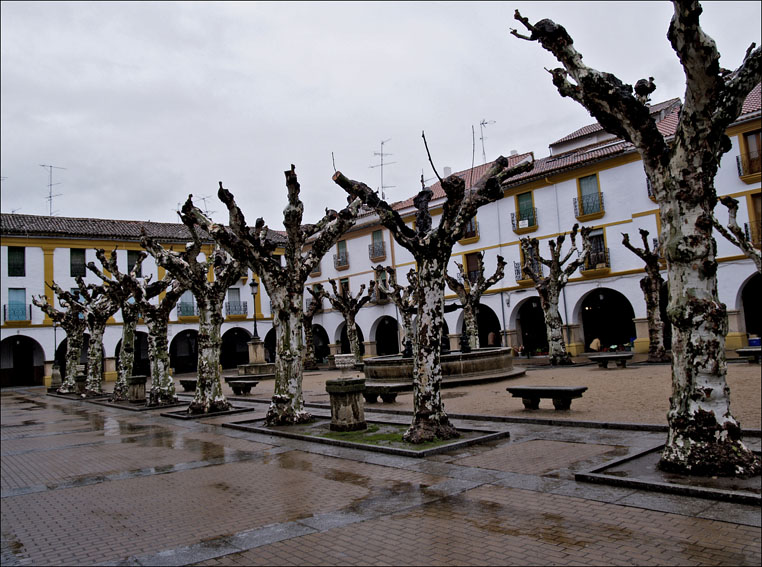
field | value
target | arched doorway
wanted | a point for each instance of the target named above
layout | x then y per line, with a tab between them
607	315
235	348
530	323
487	323
22	362
63	347
321	342
270	346
751	300
387	336
142	364
183	351
344	340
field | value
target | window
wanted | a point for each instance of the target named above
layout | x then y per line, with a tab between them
310	298
599	254
341	259
526	213
16	309
186	307
472	229
590	198
344	287
754	226
235	306
132	258
316	270
16	261
376	249
380	296
472	267
77	262
521	275
749	160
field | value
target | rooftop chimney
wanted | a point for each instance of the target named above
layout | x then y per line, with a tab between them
514	153
447	171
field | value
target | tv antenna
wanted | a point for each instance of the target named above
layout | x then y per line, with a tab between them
50	196
482	124
207	212
381	165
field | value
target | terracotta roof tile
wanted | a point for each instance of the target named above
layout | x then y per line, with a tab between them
753	102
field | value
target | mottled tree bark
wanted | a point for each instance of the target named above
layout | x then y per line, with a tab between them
651	285
349	307
284	283
470	293
310	361
405	298
549	287
126	353
735	233
703	438
431	247
210	295
72	320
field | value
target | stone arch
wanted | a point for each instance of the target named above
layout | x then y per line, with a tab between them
142	364
183	351
60	357
488	324
235	348
344	340
321	341
750	303
22	361
386	332
606	314
530	325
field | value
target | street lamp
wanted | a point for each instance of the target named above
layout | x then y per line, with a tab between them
254	285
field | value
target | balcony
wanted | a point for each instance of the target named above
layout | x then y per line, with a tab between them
17	313
379	297
589	207
597	264
753	231
523	278
185	309
471	233
749	167
341	261
315	271
377	251
525	221
237	309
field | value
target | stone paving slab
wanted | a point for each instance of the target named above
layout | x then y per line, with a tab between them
96	485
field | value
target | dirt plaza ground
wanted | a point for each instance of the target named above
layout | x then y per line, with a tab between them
85	484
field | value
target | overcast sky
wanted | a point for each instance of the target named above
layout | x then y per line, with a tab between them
143	103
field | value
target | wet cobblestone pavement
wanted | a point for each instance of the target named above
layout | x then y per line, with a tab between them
87	484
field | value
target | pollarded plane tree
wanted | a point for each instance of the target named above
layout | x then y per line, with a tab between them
72	319
349	306
284	283
469	288
121	292
549	287
651	285
431	247
736	235
404	297
193	274
314	305
704	437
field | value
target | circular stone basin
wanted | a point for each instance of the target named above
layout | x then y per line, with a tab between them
482	361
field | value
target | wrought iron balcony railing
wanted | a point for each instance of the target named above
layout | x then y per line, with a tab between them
596	260
525	218
187	309
748	163
341	261
588	205
17	312
236	308
521	274
377	250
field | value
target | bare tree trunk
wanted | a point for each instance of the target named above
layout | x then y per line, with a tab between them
557	353
287	405
162	385
126	353
209	397
94	384
310	361
74	342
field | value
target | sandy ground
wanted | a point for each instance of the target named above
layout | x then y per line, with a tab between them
637	394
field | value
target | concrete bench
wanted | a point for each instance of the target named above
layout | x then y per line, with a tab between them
388	392
241	387
561	395
603	359
753	353
188	384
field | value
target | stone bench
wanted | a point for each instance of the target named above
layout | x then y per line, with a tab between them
561	395
753	353
603	359
388	392
241	384
188	384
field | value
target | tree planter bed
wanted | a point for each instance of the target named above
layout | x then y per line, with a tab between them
135	406
318	431
183	414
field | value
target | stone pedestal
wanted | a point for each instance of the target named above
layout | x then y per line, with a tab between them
370	349
136	388
53	371
347	404
80	380
736	337
454	341
642	341
109	369
574	340
256	351
345	363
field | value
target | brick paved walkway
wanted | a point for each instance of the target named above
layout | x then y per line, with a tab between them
88	484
